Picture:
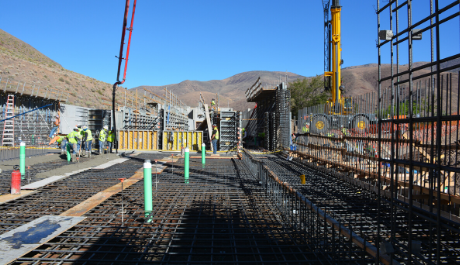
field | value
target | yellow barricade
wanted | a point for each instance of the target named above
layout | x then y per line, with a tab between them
138	140
174	140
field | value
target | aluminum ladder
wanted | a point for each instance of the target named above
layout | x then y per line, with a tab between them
8	125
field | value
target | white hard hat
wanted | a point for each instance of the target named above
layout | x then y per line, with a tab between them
106	127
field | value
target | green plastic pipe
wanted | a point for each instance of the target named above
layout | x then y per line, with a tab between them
148	201
22	158
186	164
69	156
203	154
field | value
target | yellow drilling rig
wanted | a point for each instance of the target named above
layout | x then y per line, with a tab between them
338	111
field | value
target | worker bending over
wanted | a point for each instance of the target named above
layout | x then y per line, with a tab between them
61	140
73	138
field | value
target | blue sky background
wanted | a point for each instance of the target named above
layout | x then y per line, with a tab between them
179	40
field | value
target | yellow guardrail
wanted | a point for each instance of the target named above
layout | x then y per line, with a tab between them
138	139
174	140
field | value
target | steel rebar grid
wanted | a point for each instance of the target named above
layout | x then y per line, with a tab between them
62	195
222	215
356	206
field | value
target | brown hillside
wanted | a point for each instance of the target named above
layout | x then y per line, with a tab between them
20	62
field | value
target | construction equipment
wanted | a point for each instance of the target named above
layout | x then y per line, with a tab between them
338	111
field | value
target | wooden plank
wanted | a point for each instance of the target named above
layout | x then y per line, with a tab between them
23	239
98	198
9	197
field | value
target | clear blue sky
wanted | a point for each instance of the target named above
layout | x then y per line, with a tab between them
179	40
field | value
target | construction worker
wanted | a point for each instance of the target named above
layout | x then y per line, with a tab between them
344	131
213	104
214	138
55	129
88	140
73	138
102	138
305	129
110	139
245	134
61	140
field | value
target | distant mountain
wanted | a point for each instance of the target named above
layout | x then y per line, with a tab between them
231	90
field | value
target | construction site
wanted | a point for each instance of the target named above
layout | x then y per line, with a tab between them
368	179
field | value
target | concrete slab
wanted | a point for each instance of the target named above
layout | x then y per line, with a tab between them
110	163
22	240
41	183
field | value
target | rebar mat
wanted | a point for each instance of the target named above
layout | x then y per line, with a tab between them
219	215
358	208
31	174
62	195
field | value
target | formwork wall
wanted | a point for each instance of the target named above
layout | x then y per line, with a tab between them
33	127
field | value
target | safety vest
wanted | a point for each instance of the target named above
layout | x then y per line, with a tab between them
89	135
344	131
213	103
59	140
102	135
304	129
110	137
73	137
216	134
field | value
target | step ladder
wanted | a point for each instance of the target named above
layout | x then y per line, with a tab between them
8	125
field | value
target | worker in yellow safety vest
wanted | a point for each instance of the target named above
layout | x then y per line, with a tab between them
73	138
305	129
88	140
213	104
61	140
214	138
110	139
102	138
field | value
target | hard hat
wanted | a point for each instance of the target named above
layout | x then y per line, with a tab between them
79	126
106	127
75	129
214	125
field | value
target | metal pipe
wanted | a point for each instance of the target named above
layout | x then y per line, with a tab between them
148	200
186	165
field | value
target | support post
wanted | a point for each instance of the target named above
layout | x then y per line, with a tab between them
148	190
69	157
203	154
186	164
22	159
